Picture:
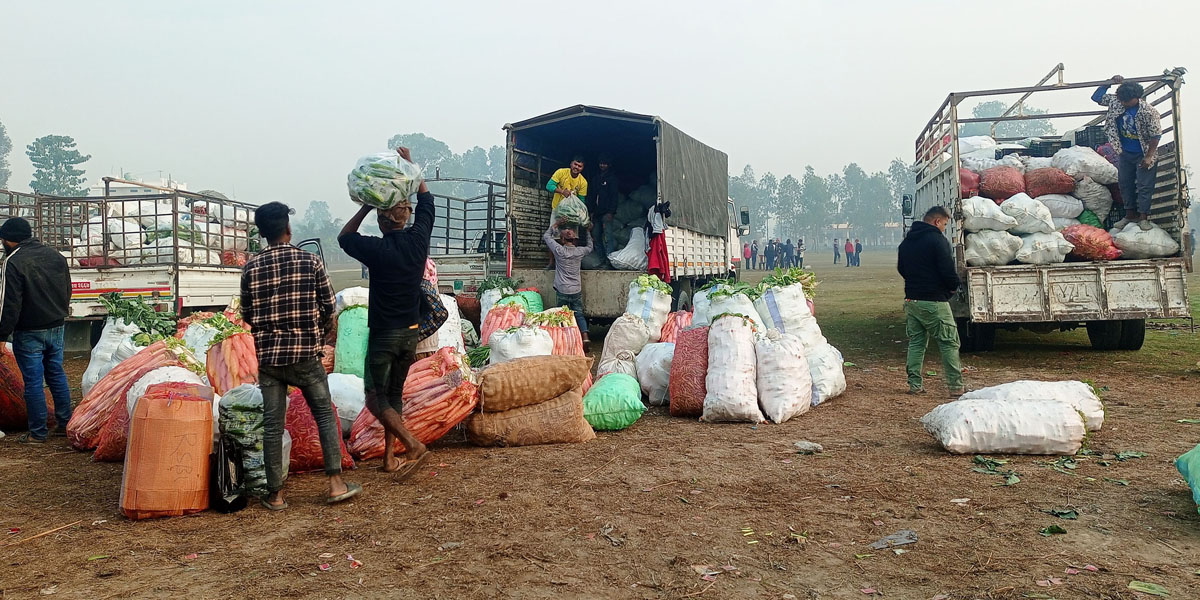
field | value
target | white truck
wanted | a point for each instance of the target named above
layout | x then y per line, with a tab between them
1111	299
499	232
181	250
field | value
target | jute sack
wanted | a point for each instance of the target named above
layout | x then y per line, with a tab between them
556	421
531	380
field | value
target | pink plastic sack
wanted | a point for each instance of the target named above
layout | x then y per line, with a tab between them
1001	183
968	182
1091	243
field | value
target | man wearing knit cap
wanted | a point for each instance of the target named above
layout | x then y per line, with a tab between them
36	294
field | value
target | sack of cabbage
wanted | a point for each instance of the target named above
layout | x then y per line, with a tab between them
383	180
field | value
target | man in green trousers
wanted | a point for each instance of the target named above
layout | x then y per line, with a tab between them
930	279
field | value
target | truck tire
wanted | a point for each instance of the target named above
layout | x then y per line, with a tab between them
1133	334
1104	335
975	337
966	341
681	294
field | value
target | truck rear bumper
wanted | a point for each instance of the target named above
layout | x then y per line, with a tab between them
1074	292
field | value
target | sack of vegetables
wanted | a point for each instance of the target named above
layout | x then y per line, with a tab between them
383	180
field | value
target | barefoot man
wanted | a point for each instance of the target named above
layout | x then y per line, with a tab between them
396	266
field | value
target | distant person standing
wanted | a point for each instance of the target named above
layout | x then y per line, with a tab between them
789	254
771	251
837	251
849	253
35	292
1134	129
857	253
746	264
800	254
930	279
754	255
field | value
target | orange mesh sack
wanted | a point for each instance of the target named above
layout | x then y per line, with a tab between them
306	454
166	462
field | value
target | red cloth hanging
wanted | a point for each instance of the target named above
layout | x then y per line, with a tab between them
660	263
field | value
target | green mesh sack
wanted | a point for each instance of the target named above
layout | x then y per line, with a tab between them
350	353
1088	217
533	301
1188	465
614	402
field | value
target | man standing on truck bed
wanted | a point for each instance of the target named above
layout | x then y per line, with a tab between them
930	280
35	293
1134	130
397	267
288	302
567	181
568	256
604	205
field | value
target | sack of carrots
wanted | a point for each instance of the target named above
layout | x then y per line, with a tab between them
500	318
83	431
564	332
232	361
306	454
440	392
676	322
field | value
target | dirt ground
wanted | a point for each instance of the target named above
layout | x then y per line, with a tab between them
672	508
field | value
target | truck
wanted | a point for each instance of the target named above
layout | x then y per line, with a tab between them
179	250
499	230
1111	299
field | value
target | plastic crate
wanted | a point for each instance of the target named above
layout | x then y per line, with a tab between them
1047	148
1092	136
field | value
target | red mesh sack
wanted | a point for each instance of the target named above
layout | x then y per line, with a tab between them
1001	183
12	393
1040	182
689	368
968	180
327	358
306	437
1091	243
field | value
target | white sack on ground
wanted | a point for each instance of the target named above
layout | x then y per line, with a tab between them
783	308
489	299
784	380
159	375
519	343
449	334
731	385
349	399
825	365
628	332
1006	427
738	304
1044	249
104	354
651	305
1076	393
653	367
981	214
623	361
991	248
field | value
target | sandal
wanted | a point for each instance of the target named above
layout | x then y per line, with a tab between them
409	466
26	438
273	507
352	490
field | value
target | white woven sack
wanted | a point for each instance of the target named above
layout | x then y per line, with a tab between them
991	248
1061	206
1006	427
981	214
1044	249
825	365
1081	161
653	367
1078	394
1032	216
783	308
784	381
519	343
651	305
1135	243
731	386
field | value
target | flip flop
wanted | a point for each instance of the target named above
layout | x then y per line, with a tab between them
352	490
273	507
407	467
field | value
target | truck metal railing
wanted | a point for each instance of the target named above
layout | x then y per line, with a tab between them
469	225
164	227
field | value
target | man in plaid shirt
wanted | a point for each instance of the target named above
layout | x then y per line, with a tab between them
287	301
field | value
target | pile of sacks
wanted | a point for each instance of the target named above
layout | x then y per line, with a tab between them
746	355
1022	417
144	232
1043	210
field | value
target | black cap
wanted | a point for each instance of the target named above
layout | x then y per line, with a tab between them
16	229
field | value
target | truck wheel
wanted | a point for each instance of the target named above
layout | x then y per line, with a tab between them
985	337
1133	334
966	341
1104	335
682	292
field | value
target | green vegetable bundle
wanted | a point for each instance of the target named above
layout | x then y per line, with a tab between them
478	357
498	282
652	282
554	317
792	276
383	180
135	311
734	288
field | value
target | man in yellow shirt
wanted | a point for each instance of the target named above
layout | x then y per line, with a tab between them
566	181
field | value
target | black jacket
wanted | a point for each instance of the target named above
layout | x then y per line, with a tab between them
603	194
37	289
397	266
926	264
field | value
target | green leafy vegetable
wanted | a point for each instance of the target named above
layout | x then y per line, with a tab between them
498	282
792	276
135	311
1052	530
478	357
1063	513
1128	454
651	282
1148	588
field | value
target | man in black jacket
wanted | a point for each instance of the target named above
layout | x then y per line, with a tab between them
36	292
605	205
930	279
397	266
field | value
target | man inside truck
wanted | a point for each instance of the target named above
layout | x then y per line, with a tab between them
603	204
1134	130
564	183
930	279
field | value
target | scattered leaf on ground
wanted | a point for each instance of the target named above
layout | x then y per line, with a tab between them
99	557
1052	530
862	556
1148	588
931	373
1117	481
1063	513
1128	454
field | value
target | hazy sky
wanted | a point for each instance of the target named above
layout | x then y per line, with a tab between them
276	100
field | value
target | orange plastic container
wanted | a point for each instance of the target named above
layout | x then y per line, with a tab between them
166	462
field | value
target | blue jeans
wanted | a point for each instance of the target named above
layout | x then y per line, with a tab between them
575	303
40	357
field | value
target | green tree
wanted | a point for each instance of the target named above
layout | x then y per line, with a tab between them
816	204
5	148
54	158
1007	129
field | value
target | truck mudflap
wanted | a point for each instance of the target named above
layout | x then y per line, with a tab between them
1074	292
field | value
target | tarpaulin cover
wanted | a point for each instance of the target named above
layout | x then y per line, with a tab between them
694	178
